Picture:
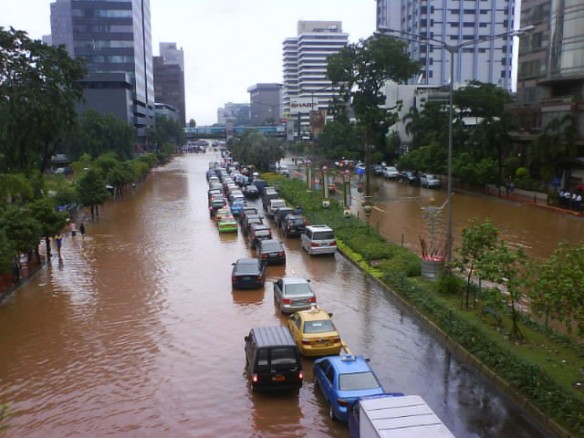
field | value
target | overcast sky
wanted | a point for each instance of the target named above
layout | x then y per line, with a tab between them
229	45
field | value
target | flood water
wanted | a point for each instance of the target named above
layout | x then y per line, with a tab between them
137	332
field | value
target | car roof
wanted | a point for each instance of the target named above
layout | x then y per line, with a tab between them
313	314
294	280
247	261
347	363
271	242
276	335
319	227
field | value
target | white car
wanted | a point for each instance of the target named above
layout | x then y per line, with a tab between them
429	180
390	172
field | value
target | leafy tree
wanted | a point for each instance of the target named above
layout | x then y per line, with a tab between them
477	239
556	287
15	188
22	229
557	141
360	71
39	91
92	191
506	268
427	126
338	139
255	148
98	134
168	130
51	221
7	252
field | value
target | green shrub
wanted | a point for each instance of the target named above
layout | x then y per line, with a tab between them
449	284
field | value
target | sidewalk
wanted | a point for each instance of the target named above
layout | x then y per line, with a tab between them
7	281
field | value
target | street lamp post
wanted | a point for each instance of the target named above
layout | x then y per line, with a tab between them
451	49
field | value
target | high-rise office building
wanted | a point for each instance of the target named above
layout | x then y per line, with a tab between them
169	78
454	23
550	75
264	100
114	37
305	64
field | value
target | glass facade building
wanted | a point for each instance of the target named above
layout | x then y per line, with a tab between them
113	36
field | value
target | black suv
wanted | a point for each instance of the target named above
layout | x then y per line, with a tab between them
293	225
272	359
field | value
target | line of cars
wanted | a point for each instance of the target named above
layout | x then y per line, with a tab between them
273	354
428	180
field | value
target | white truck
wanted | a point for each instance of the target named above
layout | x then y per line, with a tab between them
395	416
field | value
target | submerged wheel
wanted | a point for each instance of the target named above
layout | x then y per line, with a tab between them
332	413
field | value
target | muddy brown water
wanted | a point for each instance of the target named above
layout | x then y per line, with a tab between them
137	332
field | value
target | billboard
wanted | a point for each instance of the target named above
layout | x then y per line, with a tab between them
303	105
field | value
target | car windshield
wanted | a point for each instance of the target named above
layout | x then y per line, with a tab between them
298	289
356	381
323	326
263	233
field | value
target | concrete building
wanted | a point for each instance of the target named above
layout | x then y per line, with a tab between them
234	114
305	84
454	23
169	79
114	37
550	76
264	100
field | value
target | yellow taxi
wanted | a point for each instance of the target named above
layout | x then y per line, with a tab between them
314	332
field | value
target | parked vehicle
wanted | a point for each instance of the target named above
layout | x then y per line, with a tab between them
318	239
394	415
281	214
409	176
216	204
314	332
237	207
271	251
268	194
272	359
429	180
250	191
343	379
247	210
248	221
292	294
273	206
227	224
248	273
293	225
259	232
390	172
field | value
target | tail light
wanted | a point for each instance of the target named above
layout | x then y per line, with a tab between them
255	378
305	342
342	402
312	300
300	375
333	243
233	278
337	339
286	301
314	244
281	253
264	256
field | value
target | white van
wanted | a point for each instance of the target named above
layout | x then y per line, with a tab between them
274	205
318	239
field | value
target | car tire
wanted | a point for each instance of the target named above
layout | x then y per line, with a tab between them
332	415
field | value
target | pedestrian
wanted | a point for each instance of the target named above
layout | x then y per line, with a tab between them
59	240
15	272
73	229
82	229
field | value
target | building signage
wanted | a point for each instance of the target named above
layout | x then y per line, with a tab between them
303	105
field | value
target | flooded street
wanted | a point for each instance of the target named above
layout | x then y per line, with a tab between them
137	332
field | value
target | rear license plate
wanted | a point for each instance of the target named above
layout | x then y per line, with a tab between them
278	378
246	278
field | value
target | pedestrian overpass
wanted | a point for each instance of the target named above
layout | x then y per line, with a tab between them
223	132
